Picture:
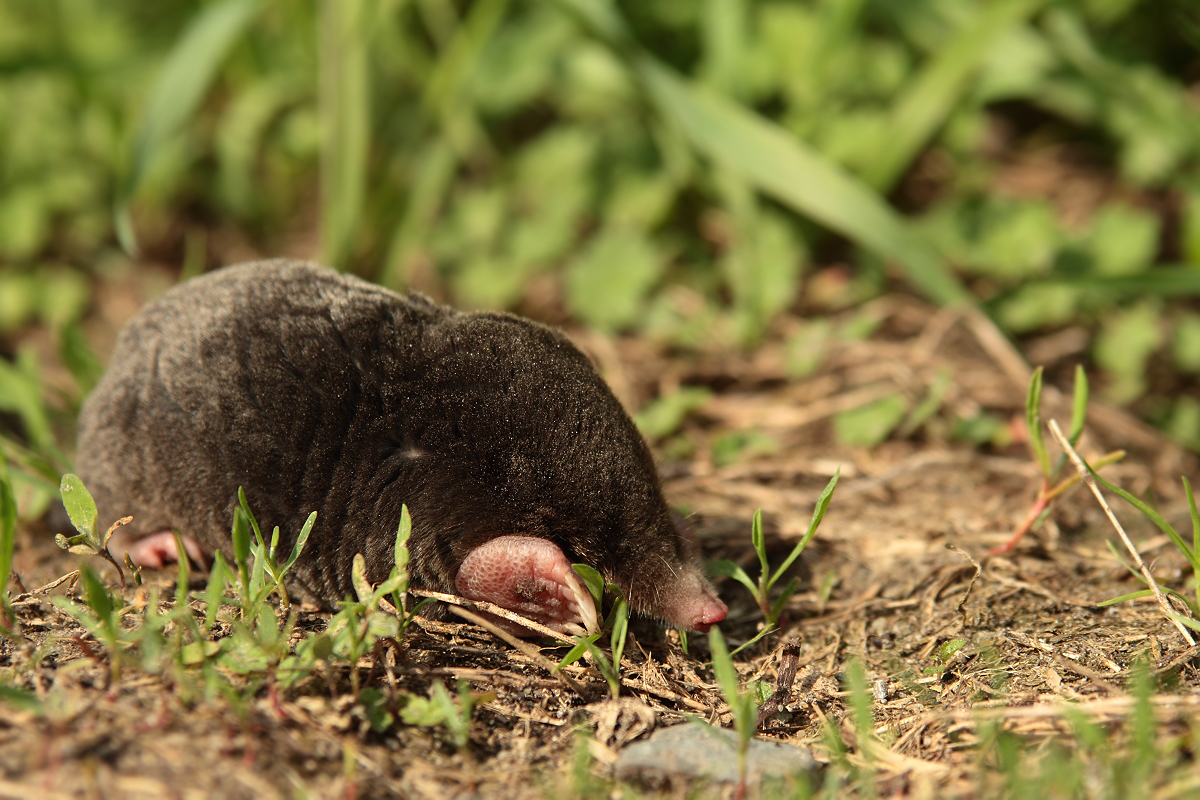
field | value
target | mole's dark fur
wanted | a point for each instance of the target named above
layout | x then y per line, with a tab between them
321	392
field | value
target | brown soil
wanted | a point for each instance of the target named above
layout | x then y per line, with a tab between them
898	569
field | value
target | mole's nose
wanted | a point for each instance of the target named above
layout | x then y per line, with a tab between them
710	613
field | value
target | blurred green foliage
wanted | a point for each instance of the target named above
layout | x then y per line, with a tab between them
674	168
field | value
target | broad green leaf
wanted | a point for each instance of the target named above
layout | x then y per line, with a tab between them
608	283
80	506
1127	339
1185	342
1123	240
665	415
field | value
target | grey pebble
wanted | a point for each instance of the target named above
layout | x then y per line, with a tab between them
702	752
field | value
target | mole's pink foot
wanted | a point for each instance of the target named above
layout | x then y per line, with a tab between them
532	577
156	550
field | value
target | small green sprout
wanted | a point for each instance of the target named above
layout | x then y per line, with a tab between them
1051	487
81	508
767	577
442	709
743	703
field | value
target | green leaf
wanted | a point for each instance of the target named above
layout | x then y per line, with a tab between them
619	629
870	424
1191	555
1079	404
80	506
8	527
403	532
22	700
1125	598
665	415
758	540
258	537
790	171
181	86
1191	498
1123	240
781	601
938	89
358	576
98	598
1033	421
729	569
593	580
301	540
576	652
822	506
423	711
608	284
240	533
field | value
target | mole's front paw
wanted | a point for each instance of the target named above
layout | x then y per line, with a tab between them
532	577
156	550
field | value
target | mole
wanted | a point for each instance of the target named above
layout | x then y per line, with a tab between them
318	391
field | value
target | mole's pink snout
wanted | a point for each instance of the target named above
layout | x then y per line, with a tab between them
693	604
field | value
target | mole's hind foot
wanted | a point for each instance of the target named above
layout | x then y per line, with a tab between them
532	577
154	551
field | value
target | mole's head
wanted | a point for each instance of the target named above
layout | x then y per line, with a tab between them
545	468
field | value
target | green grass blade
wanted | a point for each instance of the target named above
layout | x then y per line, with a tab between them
1191	498
729	569
787	169
1163	280
8	528
182	85
1125	598
1152	515
344	109
1079	404
726	673
760	547
620	628
301	540
245	505
1033	421
576	652
938	89
818	515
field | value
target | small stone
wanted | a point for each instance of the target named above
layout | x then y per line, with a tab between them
702	752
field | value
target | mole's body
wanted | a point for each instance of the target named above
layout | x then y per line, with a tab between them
320	392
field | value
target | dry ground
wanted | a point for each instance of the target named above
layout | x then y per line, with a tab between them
889	579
